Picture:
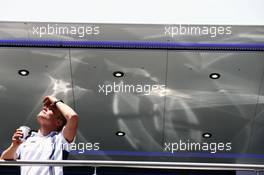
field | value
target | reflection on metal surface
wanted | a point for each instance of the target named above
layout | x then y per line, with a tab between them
201	99
254	36
2	88
59	86
191	103
224	107
136	132
124	103
170	93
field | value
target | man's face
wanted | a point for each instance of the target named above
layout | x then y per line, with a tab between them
49	116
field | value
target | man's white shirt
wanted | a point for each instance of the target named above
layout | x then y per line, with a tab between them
39	147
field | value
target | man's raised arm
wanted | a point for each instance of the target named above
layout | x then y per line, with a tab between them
70	129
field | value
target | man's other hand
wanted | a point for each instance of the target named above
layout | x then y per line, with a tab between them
16	137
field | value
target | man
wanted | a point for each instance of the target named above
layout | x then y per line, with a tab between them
58	127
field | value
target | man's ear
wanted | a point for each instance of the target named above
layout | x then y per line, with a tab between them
59	122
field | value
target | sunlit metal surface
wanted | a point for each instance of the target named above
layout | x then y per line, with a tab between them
138	115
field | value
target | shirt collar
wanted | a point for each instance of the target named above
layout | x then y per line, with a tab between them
50	134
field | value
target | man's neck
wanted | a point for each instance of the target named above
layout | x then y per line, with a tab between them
44	132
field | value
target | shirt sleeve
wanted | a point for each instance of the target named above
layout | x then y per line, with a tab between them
62	140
